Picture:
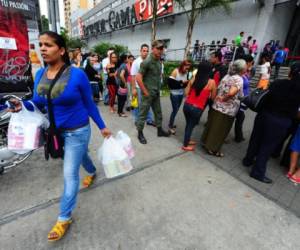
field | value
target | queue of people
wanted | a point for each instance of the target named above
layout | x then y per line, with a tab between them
213	85
222	94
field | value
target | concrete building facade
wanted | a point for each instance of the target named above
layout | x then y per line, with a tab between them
77	8
118	22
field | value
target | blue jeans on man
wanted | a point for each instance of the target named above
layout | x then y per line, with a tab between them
135	111
105	90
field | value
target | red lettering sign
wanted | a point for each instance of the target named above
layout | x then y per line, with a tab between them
143	8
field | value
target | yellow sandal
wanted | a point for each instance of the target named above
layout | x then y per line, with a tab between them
59	230
88	180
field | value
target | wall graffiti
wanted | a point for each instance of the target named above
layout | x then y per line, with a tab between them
15	70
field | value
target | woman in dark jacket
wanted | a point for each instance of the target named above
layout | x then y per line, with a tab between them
272	123
93	76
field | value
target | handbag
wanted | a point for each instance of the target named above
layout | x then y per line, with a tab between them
255	99
122	91
54	143
174	84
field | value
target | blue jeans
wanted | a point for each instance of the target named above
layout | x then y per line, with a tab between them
135	111
105	95
176	101
192	116
76	153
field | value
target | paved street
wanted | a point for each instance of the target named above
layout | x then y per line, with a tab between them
171	200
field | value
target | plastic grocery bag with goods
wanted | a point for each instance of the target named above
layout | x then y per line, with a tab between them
25	130
126	143
113	158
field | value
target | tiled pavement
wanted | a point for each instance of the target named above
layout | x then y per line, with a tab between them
282	191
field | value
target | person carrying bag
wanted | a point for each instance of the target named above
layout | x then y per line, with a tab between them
54	144
66	92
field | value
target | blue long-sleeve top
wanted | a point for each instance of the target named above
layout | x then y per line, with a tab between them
71	99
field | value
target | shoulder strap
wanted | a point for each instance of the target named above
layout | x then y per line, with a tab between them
53	82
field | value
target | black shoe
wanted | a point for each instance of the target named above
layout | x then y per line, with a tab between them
247	163
151	124
238	140
162	133
141	137
128	109
264	179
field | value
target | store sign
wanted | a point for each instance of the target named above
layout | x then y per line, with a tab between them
143	9
140	11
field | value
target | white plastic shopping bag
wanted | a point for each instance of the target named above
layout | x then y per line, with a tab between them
25	130
113	158
126	143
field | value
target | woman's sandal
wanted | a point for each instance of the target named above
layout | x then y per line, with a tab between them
217	154
59	230
188	148
88	180
122	115
172	131
192	143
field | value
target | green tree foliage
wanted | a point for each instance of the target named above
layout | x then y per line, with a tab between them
72	43
45	23
196	8
64	34
102	48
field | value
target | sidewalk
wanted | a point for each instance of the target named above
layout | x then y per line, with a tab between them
171	200
282	191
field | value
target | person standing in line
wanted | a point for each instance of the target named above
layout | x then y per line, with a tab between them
105	62
223	49
77	59
72	106
93	75
111	82
265	72
136	91
273	122
278	59
253	48
149	80
179	74
238	40
240	116
122	75
212	46
198	91
196	50
225	107
219	70
202	49
246	45
130	60
98	67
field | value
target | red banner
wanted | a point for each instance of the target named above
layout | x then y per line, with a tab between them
14	58
143	9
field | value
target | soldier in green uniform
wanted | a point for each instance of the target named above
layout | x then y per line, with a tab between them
149	80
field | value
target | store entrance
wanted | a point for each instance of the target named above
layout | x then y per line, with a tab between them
293	39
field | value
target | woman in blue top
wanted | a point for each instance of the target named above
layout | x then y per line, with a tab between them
72	106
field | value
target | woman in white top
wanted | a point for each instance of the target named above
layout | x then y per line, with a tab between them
265	72
179	74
